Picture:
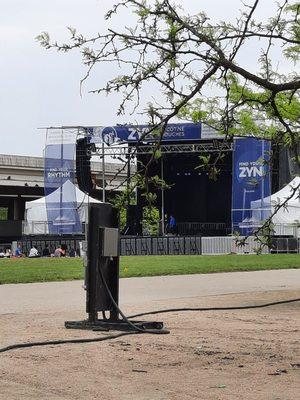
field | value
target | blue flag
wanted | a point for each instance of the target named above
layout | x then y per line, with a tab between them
251	191
59	177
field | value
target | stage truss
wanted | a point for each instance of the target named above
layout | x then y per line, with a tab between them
138	149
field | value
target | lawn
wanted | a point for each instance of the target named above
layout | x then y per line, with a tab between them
59	269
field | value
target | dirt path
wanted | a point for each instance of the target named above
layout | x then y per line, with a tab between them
251	354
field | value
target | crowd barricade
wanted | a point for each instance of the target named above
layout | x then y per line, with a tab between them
168	245
72	243
160	245
230	245
284	245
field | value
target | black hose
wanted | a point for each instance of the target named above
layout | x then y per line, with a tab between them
65	341
248	307
134	326
136	331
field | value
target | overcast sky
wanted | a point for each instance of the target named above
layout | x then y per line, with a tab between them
41	88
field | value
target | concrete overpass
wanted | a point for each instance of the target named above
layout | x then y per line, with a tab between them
22	179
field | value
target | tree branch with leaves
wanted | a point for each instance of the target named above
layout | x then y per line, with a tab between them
186	57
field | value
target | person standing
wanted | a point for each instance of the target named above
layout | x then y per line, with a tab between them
172	224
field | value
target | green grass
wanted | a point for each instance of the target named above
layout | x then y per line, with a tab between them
55	269
25	270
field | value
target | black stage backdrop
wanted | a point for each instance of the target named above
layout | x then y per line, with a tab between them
193	196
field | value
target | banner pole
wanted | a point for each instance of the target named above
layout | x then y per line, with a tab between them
162	198
103	173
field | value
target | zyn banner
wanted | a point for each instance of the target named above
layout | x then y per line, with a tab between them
251	191
59	177
133	133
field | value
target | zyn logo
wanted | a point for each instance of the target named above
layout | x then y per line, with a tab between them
250	172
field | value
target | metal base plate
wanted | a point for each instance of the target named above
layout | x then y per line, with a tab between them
107	325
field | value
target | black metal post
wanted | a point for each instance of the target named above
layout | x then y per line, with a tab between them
102	279
128	216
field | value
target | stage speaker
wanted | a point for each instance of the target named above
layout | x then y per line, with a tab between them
132	221
83	165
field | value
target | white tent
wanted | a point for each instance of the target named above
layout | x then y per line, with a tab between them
287	218
36	211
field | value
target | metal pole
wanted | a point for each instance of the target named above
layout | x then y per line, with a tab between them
128	219
61	180
162	197
103	173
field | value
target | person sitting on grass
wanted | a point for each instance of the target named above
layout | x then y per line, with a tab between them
33	252
46	251
72	253
57	252
7	253
61	251
19	252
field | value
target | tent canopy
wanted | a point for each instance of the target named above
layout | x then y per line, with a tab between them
290	213
286	192
68	196
36	210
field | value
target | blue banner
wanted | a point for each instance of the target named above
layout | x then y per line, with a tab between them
59	178
251	191
132	134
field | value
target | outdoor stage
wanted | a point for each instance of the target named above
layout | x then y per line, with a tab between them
203	204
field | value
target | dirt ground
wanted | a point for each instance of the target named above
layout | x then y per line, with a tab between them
249	354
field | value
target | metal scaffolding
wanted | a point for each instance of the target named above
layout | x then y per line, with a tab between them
119	151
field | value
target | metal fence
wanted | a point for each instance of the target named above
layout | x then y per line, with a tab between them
192	245
52	243
292	229
202	228
170	245
160	245
285	245
228	244
42	227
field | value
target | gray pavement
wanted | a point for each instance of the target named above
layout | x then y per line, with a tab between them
52	296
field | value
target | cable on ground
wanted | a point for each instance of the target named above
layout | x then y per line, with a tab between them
65	341
138	330
135	327
247	307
